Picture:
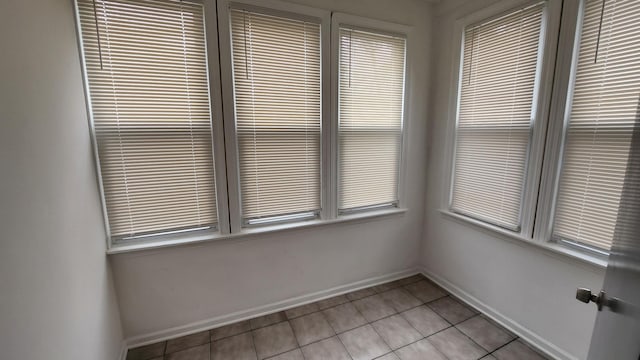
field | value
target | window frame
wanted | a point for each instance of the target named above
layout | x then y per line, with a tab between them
339	20
541	99
221	93
561	22
559	113
217	139
276	8
565	74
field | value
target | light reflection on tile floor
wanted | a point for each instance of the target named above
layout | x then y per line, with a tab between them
406	319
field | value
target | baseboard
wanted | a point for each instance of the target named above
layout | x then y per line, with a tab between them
123	350
218	321
533	339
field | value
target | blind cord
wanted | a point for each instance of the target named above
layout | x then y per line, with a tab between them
350	53
473	38
95	17
246	57
595	59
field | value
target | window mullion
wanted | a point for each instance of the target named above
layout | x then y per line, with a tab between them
563	77
215	91
542	110
230	140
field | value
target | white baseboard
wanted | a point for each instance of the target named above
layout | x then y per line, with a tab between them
218	321
533	339
123	350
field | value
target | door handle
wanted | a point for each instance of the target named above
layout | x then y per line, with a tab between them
601	300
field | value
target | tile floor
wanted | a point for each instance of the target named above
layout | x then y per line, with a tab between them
406	319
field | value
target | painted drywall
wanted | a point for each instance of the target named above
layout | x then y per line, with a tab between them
57	299
530	286
165	288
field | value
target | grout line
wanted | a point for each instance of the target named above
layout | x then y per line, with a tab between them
454	326
313	342
371	323
381	337
344	346
508	342
358	310
470	338
376	331
302	352
253	344
418	278
515	337
295	336
480	314
362	315
333	328
422	303
400	314
396	312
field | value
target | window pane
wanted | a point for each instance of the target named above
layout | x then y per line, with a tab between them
604	109
276	66
497	86
371	77
147	71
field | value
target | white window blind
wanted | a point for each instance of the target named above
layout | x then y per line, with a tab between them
604	110
371	94
147	75
497	86
276	67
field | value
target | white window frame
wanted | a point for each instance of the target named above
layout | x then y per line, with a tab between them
374	26
220	67
560	112
217	136
545	150
287	10
542	94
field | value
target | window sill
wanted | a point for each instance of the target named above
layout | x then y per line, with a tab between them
550	247
193	239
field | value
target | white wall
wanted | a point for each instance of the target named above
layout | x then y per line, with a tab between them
530	286
57	299
178	286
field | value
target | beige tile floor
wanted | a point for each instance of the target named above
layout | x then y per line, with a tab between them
406	319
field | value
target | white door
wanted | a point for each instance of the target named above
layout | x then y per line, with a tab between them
617	331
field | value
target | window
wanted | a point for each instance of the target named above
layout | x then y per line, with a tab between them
370	118
497	97
208	123
146	67
507	65
601	116
277	87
